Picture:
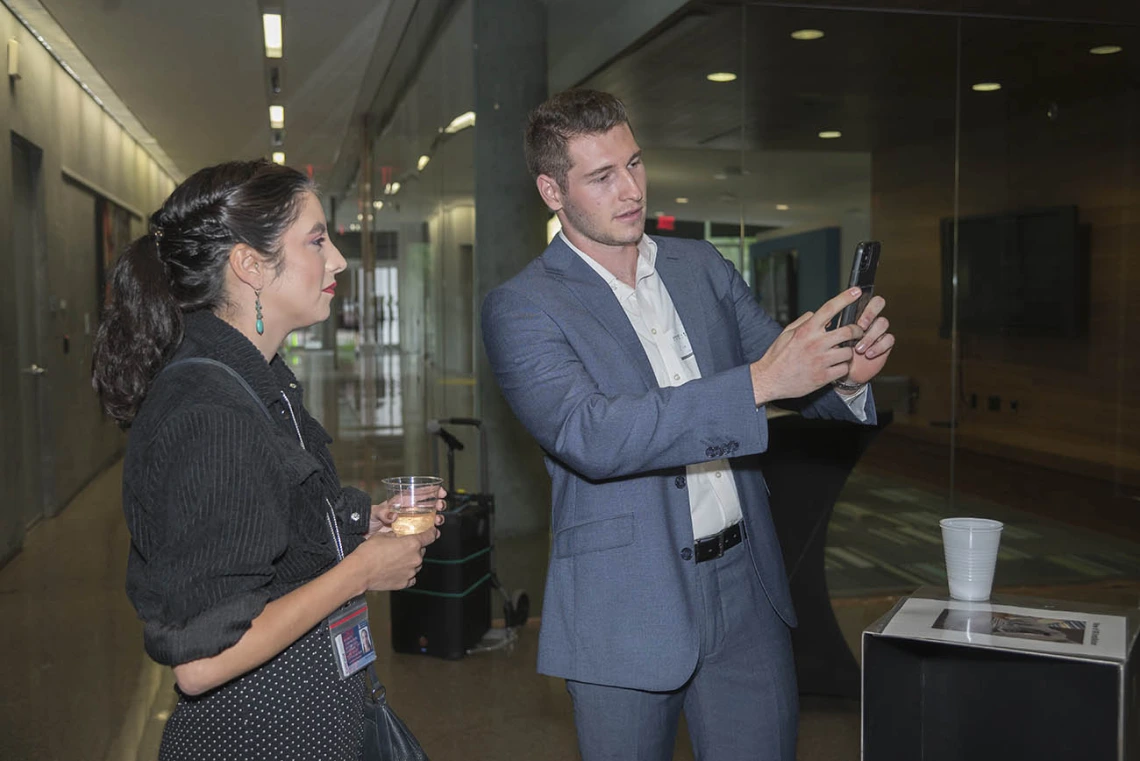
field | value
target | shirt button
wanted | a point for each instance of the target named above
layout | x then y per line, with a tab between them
686	554
679	482
356	516
676	376
654	331
718	474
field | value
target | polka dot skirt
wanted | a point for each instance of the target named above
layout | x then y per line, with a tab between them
293	707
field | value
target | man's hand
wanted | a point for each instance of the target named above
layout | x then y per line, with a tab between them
872	351
806	356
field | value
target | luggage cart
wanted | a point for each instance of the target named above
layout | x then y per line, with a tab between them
448	612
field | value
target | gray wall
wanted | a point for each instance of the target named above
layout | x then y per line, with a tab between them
48	108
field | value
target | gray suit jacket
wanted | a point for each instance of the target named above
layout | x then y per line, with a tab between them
621	596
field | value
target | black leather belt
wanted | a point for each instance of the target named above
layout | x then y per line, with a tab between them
712	547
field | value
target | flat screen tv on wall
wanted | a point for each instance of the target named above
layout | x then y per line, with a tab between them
1023	273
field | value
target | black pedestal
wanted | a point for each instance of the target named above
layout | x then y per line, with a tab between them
449	608
806	465
946	701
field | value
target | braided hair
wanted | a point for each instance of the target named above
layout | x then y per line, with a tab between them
179	267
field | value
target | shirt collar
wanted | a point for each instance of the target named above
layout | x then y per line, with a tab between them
207	335
646	261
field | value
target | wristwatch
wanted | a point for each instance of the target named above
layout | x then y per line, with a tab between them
848	387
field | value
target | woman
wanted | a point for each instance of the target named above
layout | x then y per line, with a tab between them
236	517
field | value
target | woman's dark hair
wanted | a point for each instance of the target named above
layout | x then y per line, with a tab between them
566	115
180	267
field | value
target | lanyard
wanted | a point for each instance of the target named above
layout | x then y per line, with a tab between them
330	516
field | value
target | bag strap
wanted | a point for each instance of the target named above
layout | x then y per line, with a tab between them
222	366
376	688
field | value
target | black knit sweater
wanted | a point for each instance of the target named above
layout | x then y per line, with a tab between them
226	510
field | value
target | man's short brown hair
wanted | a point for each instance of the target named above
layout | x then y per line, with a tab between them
569	114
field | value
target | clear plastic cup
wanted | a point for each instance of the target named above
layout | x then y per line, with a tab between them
971	547
414	500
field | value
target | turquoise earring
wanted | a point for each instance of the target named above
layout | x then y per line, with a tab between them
257	305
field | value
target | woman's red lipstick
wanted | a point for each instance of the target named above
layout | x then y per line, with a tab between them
330	288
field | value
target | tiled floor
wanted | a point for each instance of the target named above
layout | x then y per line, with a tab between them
76	684
884	538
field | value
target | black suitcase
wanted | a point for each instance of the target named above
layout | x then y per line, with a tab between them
449	609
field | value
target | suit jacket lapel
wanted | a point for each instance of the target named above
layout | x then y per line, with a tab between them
676	272
600	302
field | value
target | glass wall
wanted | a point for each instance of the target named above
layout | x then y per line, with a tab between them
421	212
995	159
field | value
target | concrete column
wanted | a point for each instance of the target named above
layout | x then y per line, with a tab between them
510	229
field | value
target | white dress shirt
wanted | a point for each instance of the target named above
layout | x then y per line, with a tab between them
714	503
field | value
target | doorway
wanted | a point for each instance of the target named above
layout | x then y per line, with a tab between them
23	498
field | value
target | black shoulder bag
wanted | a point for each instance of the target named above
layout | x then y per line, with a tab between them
386	737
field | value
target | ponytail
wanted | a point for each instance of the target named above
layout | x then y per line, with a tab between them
181	266
141	327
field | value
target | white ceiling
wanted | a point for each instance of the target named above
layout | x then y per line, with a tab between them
194	72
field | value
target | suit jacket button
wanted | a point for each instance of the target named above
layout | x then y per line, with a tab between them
686	554
710	452
679	482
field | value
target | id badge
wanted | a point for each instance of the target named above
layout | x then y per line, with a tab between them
351	638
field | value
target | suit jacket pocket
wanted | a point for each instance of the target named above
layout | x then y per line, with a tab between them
594	536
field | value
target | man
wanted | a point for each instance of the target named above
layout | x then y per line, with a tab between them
643	367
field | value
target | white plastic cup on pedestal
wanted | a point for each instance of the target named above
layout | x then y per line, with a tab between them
971	546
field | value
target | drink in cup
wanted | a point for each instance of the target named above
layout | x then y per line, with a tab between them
414	499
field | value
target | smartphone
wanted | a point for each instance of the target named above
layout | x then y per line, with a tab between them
863	268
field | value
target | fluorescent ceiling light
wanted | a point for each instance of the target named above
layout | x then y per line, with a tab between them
721	76
781	207
986	87
422	162
807	34
682	200
278	157
461	122
830	134
277	117
1105	49
274	39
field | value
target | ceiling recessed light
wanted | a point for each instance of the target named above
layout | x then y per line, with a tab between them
807	34
830	134
278	157
781	207
395	188
359	217
277	117
682	200
721	76
271	25
423	162
1105	49
986	87
378	205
